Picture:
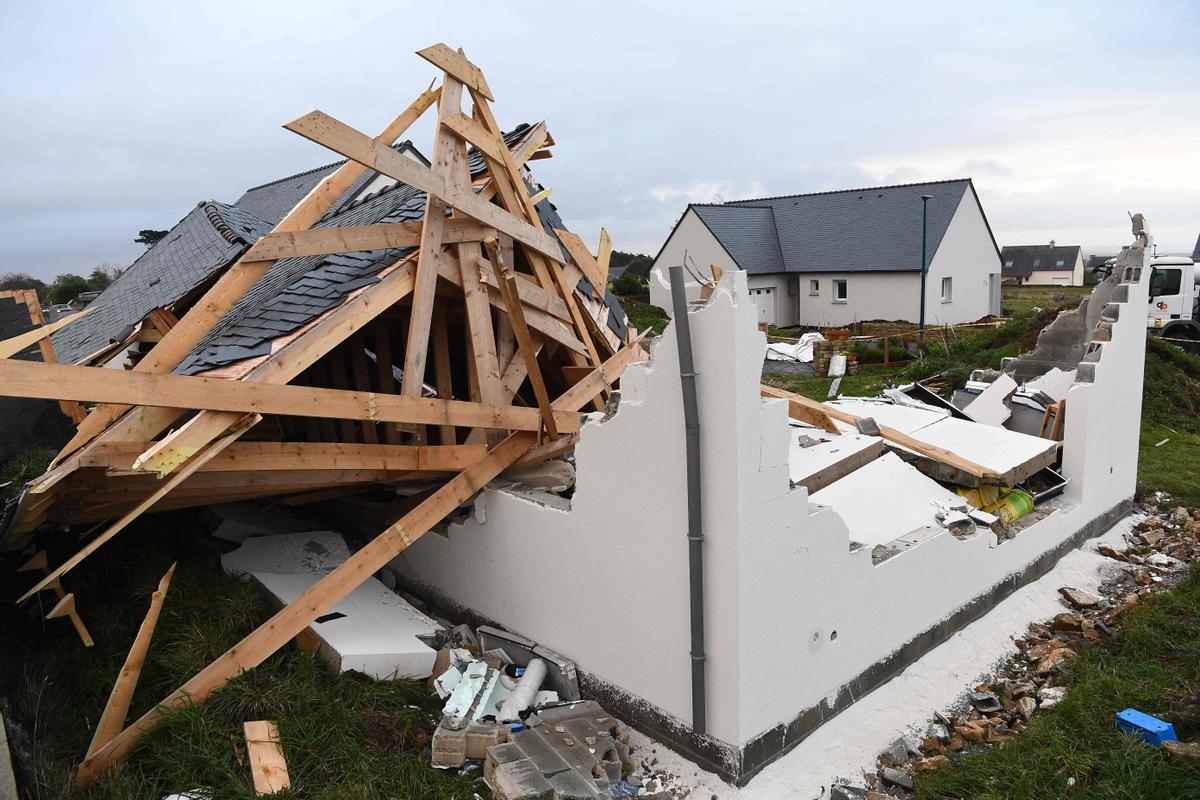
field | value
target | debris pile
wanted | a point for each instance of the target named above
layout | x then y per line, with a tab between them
410	326
1160	547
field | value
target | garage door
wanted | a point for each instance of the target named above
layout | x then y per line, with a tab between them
765	300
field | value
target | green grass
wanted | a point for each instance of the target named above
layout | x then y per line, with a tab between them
343	737
1020	299
869	382
1154	666
645	316
22	468
1170	410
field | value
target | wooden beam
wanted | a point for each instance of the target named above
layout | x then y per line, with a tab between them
357	238
65	607
323	129
291	456
112	719
456	65
194	464
603	256
441	366
10	347
385	378
232	285
815	415
268	768
582	257
855	459
475	134
97	384
508	290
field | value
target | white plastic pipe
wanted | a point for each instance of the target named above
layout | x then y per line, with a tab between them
526	689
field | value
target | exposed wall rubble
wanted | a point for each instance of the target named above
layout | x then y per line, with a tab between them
799	621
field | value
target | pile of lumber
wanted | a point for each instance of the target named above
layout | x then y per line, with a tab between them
474	351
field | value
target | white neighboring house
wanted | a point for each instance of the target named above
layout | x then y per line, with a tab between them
1043	265
833	258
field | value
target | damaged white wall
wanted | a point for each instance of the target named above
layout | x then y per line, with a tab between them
792	614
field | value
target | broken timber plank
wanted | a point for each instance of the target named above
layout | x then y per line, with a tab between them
112	719
808	413
194	464
261	643
268	768
294	456
66	608
457	65
581	256
840	469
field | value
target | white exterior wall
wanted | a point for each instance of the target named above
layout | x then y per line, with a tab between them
605	582
966	255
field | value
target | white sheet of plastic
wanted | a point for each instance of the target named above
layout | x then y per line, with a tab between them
801	351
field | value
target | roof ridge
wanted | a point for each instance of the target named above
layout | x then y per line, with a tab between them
741	203
213	213
397	145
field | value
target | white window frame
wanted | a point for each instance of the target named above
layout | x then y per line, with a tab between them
947	290
814	287
845	287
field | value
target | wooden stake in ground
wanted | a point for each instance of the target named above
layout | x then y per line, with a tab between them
112	719
40	563
267	764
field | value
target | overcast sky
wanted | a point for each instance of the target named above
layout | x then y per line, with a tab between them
122	116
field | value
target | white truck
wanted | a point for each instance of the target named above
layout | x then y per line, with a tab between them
1174	306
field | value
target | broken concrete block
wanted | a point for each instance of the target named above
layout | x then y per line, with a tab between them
482	735
449	747
573	786
313	553
1051	696
1079	598
520	780
500	754
371	630
896	777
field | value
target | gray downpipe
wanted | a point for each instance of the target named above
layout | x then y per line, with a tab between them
691	421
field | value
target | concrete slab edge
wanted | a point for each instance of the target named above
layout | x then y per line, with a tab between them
739	765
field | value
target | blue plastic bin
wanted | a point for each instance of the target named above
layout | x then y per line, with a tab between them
1151	730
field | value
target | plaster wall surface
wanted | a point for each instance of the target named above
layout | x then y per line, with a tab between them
793	615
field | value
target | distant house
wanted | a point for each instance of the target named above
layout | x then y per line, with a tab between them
832	258
1043	265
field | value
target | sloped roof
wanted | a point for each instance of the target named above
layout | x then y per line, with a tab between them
1196	251
747	234
1027	259
876	229
206	240
295	291
272	201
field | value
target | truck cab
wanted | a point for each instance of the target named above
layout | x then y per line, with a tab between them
1173	310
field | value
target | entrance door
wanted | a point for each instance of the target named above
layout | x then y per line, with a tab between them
765	300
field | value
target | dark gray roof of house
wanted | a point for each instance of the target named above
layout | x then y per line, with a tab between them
207	239
1027	259
272	201
748	234
876	229
1196	251
296	291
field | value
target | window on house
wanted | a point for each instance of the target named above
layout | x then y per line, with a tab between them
947	288
814	287
1008	263
1037	262
1059	263
839	290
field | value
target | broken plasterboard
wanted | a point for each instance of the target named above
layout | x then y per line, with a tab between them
372	630
313	553
1055	383
901	500
817	458
989	407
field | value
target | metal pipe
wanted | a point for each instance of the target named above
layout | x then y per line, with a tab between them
695	534
925	198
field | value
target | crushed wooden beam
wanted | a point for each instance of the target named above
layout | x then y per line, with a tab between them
66	608
268	767
112	719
